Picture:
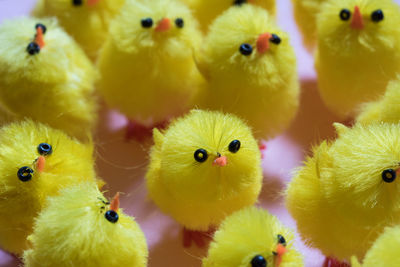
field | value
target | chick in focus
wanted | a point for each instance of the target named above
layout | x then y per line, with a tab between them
358	52
80	227
87	21
251	71
35	162
147	66
348	191
252	237
45	76
205	166
207	10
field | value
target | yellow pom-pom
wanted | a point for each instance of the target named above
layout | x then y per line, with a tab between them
80	228
252	235
205	166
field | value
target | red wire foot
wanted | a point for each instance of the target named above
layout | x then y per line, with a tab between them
332	262
137	131
200	239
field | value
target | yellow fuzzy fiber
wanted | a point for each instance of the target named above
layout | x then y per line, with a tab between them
69	163
207	10
263	88
54	86
74	232
353	65
87	24
384	252
148	74
248	233
339	198
199	195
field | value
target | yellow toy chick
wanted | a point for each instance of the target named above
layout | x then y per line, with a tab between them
386	109
358	52
205	166
147	65
347	193
207	10
45	76
384	252
251	70
87	21
81	228
35	162
252	237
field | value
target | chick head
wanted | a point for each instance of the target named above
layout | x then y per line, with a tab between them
252	237
35	162
159	27
81	227
346	25
245	42
207	156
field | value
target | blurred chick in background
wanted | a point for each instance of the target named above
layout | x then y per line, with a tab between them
251	70
45	76
348	191
87	21
207	10
81	228
252	237
384	252
147	64
358	52
205	166
35	162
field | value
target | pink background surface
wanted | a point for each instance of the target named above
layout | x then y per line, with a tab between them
123	165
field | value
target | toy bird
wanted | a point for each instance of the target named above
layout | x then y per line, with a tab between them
45	76
252	237
358	52
205	166
81	228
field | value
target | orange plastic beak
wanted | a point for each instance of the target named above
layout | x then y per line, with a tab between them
39	38
221	161
40	163
115	203
92	2
164	25
357	22
263	42
398	172
280	251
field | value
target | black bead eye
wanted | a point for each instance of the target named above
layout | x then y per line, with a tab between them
45	149
275	39
345	14
147	23
77	2
111	216
200	155
389	175
234	146
40	25
179	23
33	48
377	15
246	49
239	2
258	261
281	240
25	174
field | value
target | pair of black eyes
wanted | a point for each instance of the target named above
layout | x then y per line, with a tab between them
111	216
33	48
247	49
201	155
25	173
389	175
148	23
376	16
260	261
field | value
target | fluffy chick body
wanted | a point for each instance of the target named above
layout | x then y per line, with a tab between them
148	72
201	194
74	231
54	86
339	198
356	56
250	233
87	22
262	87
21	201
